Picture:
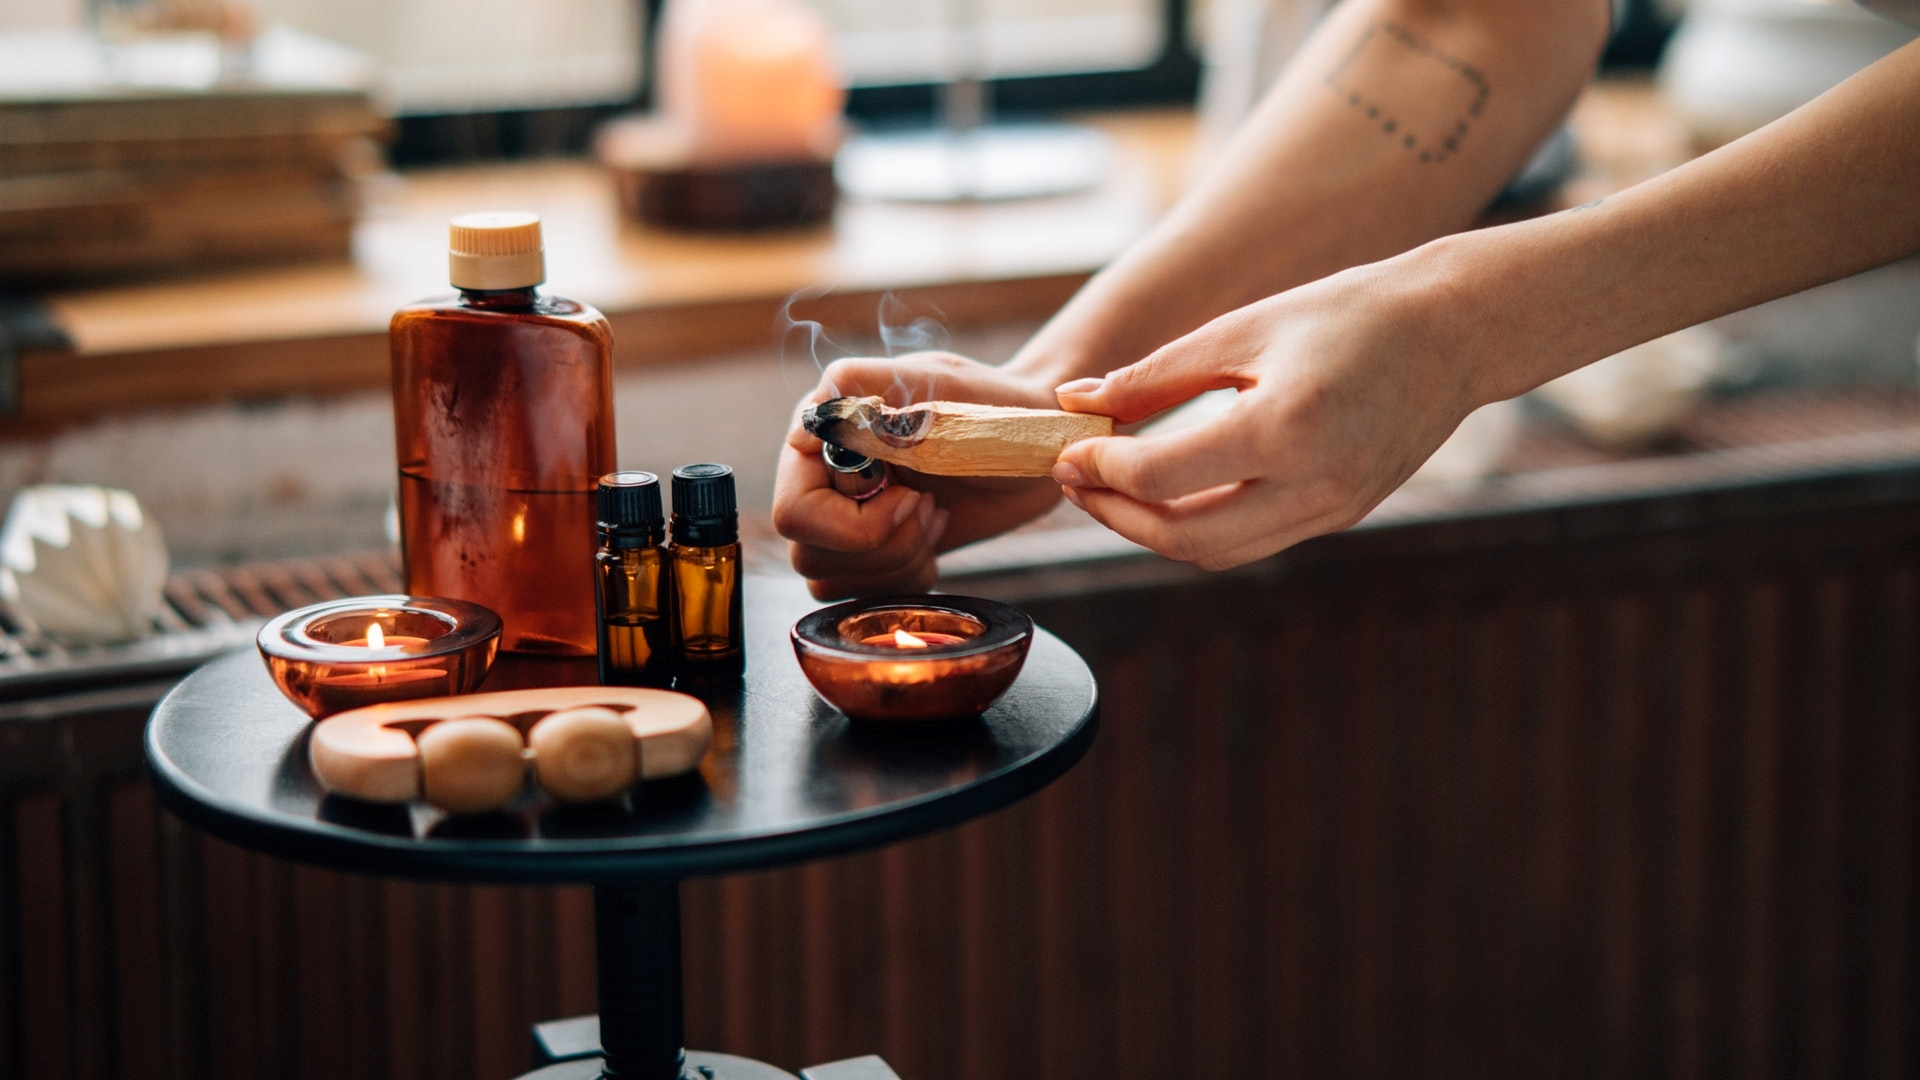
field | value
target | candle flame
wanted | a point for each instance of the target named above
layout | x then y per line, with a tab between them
376	639
908	641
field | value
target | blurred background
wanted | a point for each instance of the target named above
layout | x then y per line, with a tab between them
162	151
1588	753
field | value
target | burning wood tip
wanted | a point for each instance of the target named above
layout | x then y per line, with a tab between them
817	419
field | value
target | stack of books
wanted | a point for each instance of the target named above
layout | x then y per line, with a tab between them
114	165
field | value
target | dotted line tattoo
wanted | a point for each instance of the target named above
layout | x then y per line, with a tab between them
1433	140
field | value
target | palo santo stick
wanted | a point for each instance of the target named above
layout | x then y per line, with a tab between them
951	438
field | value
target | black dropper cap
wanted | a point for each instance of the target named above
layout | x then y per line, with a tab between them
629	504
704	512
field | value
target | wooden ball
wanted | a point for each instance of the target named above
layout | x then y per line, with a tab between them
584	754
471	765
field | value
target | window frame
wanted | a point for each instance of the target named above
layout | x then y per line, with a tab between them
1172	78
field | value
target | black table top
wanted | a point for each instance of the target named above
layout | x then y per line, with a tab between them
788	777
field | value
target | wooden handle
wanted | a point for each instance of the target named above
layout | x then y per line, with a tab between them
951	438
371	753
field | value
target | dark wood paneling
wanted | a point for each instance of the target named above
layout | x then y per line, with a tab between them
1638	804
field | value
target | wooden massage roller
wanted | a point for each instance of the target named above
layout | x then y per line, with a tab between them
468	754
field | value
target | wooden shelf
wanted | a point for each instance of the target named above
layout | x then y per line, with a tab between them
317	329
672	298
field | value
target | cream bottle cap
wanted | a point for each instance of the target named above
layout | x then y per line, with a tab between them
499	249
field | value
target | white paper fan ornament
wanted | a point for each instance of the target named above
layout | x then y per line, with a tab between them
83	563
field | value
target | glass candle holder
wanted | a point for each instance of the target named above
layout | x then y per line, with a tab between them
913	658
363	650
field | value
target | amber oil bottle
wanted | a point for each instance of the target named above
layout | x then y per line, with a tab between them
704	560
636	625
503	423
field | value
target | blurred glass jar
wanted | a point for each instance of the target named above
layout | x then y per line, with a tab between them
187	43
750	80
1735	66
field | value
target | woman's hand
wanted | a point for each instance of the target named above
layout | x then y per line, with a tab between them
1344	391
887	543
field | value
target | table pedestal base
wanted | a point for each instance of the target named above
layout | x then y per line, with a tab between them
700	1066
637	946
637	931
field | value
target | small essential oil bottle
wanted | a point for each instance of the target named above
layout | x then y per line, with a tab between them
636	624
503	422
704	560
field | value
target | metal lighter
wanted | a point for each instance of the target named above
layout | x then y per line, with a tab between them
856	476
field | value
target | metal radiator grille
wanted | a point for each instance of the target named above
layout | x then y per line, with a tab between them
207	612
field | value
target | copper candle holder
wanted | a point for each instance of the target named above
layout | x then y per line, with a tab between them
364	650
913	658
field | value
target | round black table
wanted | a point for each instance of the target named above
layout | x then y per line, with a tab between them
788	778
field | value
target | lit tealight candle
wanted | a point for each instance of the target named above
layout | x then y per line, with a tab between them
377	675
377	639
409	647
912	659
901	639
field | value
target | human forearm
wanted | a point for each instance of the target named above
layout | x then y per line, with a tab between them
1348	383
1826	192
1398	122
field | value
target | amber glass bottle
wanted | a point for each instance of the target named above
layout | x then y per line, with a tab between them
636	628
704	557
503	420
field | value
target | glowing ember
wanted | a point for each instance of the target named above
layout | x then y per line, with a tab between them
902	639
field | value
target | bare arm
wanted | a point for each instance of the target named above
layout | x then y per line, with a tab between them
1398	122
1831	190
1350	382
